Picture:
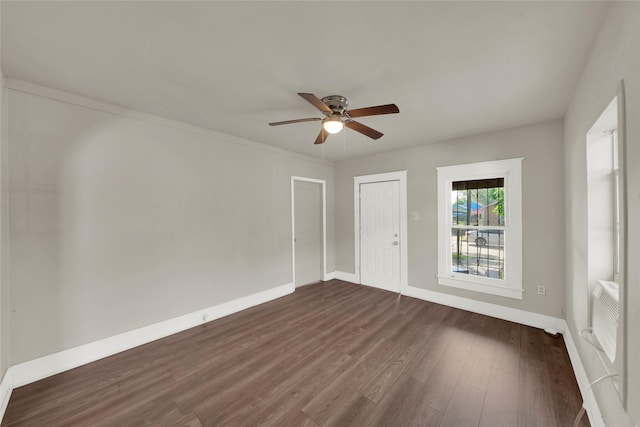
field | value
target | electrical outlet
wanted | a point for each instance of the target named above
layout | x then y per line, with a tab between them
542	290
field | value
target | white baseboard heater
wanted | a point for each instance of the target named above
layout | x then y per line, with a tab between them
606	312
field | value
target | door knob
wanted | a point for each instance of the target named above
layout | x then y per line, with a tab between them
395	243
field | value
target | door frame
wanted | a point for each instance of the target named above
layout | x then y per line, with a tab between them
400	176
323	183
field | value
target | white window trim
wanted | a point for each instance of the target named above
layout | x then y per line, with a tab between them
511	171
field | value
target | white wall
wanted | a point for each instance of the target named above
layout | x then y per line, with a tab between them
543	212
4	235
616	56
117	222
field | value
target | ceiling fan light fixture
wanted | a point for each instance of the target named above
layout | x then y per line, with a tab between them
333	123
336	116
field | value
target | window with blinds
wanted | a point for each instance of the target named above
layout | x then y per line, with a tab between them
480	227
477	227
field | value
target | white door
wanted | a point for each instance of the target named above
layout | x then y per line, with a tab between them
380	235
308	232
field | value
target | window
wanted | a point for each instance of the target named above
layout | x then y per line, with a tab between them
606	236
477	228
480	227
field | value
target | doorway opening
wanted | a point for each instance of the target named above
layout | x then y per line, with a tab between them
308	230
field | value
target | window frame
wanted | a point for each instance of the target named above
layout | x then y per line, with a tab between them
511	170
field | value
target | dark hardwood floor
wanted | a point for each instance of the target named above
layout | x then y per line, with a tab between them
333	353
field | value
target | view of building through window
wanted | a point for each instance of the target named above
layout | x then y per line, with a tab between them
477	227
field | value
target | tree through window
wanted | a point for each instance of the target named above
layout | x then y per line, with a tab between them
480	227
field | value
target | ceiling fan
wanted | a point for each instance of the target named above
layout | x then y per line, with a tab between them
334	108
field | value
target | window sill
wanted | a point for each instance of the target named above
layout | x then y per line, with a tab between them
481	287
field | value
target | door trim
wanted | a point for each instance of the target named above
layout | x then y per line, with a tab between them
400	176
322	182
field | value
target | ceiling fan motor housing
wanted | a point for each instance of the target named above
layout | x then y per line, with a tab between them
337	103
336	116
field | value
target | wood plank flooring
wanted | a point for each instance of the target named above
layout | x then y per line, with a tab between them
331	354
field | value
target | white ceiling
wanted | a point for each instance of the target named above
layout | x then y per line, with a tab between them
453	68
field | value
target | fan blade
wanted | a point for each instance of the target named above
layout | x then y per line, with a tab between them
322	136
365	130
316	102
286	122
374	111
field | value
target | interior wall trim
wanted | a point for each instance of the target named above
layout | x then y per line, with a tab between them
43	367
346	277
590	403
536	320
46	366
5	391
82	101
323	185
401	177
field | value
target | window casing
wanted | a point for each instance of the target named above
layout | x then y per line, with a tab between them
480	227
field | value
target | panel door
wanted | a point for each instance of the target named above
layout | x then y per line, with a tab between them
380	235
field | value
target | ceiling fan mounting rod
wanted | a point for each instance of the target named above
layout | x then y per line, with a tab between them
337	103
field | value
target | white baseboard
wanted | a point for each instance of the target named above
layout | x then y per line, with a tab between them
494	310
590	403
329	276
347	277
37	369
5	391
548	323
34	370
